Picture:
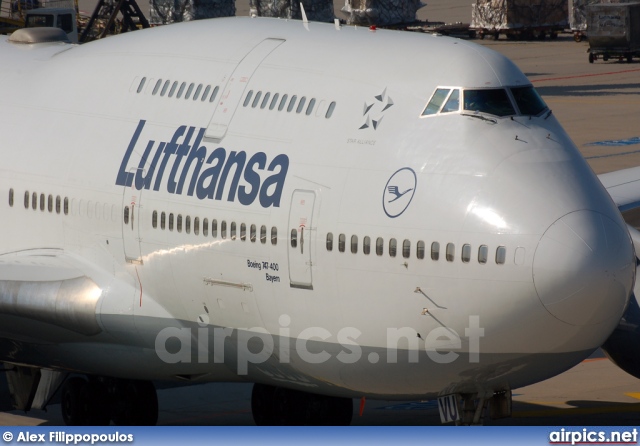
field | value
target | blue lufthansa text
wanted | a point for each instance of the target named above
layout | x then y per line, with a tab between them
204	172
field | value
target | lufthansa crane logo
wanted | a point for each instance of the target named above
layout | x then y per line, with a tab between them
398	192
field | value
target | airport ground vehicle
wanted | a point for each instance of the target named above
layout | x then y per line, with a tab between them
614	31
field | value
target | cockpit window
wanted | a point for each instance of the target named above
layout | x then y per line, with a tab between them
492	101
453	103
528	100
436	101
450	97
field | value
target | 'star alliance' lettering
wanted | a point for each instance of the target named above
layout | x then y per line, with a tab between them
205	173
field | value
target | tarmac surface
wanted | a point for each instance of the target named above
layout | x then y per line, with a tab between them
599	106
593	393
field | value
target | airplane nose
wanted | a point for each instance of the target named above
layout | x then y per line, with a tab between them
583	268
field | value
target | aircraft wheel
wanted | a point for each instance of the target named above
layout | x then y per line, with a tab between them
136	404
340	411
97	404
74	402
262	405
591	58
577	37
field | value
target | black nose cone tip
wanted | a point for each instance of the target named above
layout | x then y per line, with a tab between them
583	269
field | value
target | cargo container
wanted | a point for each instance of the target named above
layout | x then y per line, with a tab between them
578	16
518	19
381	12
614	31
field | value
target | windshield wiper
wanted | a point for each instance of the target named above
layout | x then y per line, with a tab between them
484	118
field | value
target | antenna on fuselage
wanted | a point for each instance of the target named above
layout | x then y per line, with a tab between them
305	21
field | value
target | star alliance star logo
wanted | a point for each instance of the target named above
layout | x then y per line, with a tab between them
373	111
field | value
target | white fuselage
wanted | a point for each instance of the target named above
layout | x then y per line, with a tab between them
141	171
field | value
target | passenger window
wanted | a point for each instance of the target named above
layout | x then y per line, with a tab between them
165	87
330	241
466	253
34	201
179	223
303	100
214	228
49	202
274	235
214	94
393	246
292	103
66	206
181	90
492	101
154	219
354	244
173	89
42	202
189	90
406	249
435	251
274	101
126	215
265	101
223	229
312	104
420	250
263	234
171	222
196	95
294	238
157	87
26	199
248	98
205	227
366	245
256	100
196	226
451	250
163	218
341	242
58	200
187	224
436	101
141	86
252	234
206	93
379	246
483	254
233	230
283	102
243	232
330	110
501	255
